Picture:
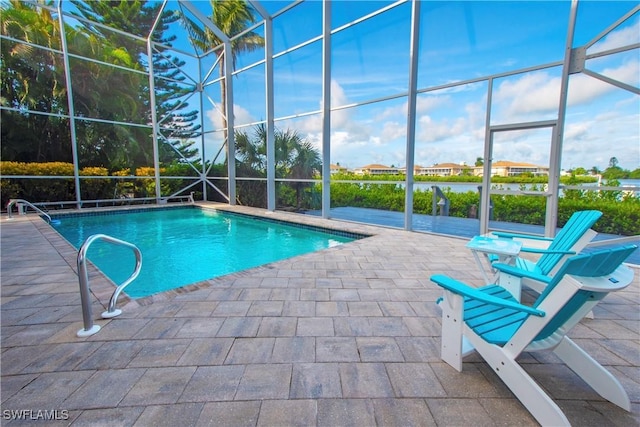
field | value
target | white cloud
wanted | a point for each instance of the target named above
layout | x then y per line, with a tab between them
592	141
425	104
430	130
531	93
241	116
356	141
535	96
576	131
627	72
392	130
618	38
215	117
538	92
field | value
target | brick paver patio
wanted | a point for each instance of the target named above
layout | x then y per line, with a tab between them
348	336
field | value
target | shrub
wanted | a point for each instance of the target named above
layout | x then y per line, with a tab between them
93	188
37	169
37	189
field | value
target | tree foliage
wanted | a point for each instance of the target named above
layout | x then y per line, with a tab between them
231	17
112	85
295	158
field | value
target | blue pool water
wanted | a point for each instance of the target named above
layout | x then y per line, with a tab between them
181	246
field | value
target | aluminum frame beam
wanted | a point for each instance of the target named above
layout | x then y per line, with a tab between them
411	114
551	217
72	113
326	108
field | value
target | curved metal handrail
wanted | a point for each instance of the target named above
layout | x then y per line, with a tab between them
443	203
83	278
25	202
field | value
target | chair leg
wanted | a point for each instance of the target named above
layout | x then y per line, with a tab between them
511	283
528	392
535	285
452	324
594	374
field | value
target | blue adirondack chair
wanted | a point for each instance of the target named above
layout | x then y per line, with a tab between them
570	240
493	323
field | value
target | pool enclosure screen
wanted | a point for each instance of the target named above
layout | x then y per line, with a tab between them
314	105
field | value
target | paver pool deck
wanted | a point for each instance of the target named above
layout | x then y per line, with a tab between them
348	336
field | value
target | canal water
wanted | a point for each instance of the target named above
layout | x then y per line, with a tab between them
625	185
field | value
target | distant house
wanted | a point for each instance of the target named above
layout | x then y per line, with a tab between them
416	170
337	169
506	168
499	168
376	169
445	169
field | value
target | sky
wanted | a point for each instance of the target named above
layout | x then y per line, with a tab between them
459	41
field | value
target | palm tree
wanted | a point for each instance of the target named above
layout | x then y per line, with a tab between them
250	152
296	158
231	17
305	165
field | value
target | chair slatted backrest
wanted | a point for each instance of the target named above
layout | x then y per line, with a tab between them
596	264
568	236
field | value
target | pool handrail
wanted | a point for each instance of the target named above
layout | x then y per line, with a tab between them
25	202
83	279
443	203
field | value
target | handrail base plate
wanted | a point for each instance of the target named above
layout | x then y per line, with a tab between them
82	333
110	314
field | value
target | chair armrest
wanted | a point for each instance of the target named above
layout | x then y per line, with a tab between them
515	271
461	289
545	251
507	235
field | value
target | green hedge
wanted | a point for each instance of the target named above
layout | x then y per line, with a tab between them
620	216
63	189
621	212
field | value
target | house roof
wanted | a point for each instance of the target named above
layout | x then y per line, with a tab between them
448	165
506	163
375	166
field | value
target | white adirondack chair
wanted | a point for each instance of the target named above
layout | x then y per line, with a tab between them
569	241
492	322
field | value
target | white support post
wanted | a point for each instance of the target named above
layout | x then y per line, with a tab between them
72	112
203	154
231	139
411	113
485	196
154	120
326	108
271	143
555	161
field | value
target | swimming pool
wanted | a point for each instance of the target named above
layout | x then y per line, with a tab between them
185	245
